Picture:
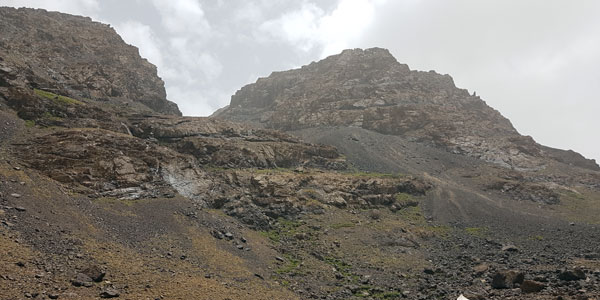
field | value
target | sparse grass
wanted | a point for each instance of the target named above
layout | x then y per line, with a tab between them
282	229
536	238
406	200
340	266
58	99
342	225
477	231
291	266
49	116
29	123
579	206
272	235
412	214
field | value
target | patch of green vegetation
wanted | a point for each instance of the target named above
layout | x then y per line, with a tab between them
572	195
58	99
412	214
579	205
536	238
477	231
282	229
285	282
273	235
49	116
341	266
439	230
29	123
406	200
291	266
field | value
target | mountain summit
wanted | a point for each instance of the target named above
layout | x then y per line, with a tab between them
369	89
76	57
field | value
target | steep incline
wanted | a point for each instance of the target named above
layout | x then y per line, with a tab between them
73	56
369	89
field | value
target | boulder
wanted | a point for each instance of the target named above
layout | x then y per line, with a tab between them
81	279
530	286
572	275
95	273
507	279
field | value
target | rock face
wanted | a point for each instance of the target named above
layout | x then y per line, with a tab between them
371	90
225	144
73	56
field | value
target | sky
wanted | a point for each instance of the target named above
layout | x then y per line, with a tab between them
536	61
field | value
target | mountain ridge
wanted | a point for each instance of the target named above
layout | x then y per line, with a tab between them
370	89
77	57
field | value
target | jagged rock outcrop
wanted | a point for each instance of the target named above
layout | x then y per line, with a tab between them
76	57
102	163
371	90
219	143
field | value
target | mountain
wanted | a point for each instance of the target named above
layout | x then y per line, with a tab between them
369	89
350	178
76	57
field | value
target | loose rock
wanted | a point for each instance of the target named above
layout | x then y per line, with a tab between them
95	273
572	275
507	279
109	293
530	286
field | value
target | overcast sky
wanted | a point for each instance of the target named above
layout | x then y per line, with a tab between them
536	61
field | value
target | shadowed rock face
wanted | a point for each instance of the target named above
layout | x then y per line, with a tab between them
73	56
371	90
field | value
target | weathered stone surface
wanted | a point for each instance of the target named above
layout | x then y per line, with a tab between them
101	163
572	275
371	90
507	279
81	279
530	286
109	293
94	272
226	144
76	57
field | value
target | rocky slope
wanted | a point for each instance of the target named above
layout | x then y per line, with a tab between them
73	56
116	196
369	89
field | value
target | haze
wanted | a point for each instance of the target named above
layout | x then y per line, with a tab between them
537	62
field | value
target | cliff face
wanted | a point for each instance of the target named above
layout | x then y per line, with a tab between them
73	56
369	89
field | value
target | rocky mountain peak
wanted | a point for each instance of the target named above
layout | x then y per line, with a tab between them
370	89
76	57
